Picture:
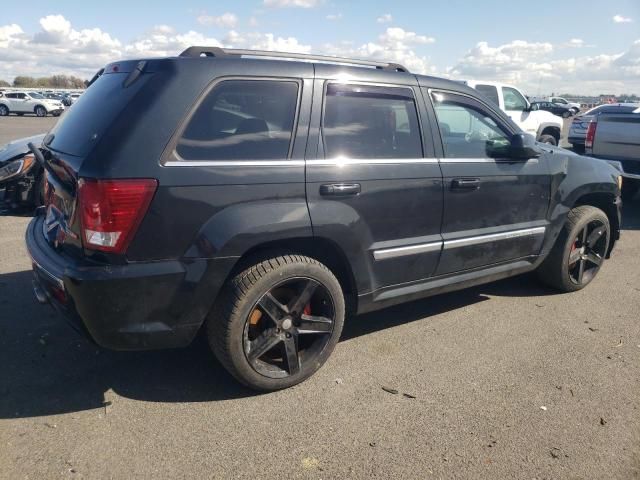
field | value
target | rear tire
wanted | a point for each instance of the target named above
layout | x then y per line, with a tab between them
291	308
548	139
4	110
579	251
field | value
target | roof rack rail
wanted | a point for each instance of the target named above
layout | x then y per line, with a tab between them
233	52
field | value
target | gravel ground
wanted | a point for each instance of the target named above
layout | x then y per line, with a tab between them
510	381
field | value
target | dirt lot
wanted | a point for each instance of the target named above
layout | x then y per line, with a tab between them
510	381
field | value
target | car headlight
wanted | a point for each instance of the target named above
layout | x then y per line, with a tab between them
17	167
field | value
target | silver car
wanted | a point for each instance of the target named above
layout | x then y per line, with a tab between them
580	123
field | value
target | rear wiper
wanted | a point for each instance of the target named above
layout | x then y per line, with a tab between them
44	164
95	77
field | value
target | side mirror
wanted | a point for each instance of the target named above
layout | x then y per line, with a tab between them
523	147
533	107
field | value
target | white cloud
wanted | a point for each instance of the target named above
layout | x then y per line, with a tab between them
10	33
59	48
621	19
253	22
269	41
386	18
161	44
394	45
226	20
334	16
291	3
530	66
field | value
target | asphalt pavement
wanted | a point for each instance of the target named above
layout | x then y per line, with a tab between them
506	380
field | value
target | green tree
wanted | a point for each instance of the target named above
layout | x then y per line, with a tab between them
4	83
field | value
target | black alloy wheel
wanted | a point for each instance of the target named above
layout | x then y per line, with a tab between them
579	251
289	327
588	252
277	321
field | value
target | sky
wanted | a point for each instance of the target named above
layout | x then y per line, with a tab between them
583	47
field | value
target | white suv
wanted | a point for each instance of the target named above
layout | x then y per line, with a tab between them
23	102
545	126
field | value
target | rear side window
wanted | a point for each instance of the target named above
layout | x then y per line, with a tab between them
370	122
242	120
490	92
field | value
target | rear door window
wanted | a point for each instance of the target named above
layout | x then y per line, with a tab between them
513	100
242	120
370	122
490	92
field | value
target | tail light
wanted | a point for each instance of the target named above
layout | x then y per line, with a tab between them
591	134
111	211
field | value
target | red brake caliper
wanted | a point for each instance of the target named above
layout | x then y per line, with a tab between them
307	309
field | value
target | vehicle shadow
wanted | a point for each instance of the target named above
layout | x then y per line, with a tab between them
49	369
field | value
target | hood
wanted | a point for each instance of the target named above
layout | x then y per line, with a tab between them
18	148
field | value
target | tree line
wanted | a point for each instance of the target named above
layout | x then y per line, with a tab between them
54	81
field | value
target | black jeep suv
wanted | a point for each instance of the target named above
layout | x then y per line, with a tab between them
261	199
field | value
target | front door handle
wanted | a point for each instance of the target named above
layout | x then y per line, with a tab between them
465	184
339	189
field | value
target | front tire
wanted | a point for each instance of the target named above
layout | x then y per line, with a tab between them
277	322
579	251
548	139
40	112
566	114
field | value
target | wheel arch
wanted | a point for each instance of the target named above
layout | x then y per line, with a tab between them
553	130
605	201
321	249
38	106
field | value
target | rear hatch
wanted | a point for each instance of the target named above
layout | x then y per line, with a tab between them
71	142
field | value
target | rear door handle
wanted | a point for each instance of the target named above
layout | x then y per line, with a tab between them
465	184
339	189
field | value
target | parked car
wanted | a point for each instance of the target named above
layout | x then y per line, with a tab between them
70	98
573	106
21	178
217	193
615	137
29	102
555	108
580	124
542	125
54	96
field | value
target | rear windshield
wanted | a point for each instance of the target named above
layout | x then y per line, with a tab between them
82	126
611	109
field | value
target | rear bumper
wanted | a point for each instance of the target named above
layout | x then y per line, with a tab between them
136	306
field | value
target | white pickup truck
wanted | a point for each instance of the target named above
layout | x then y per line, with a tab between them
29	102
545	126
